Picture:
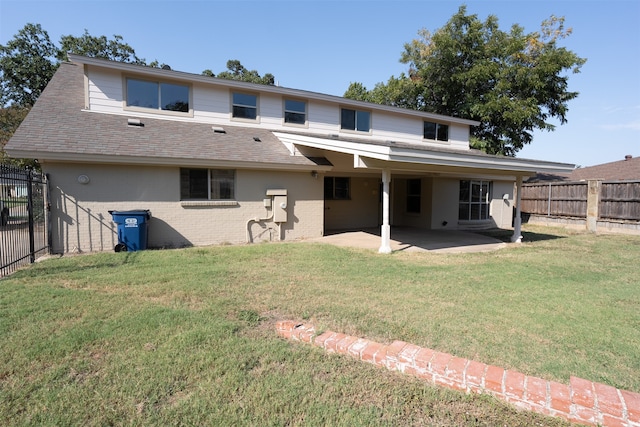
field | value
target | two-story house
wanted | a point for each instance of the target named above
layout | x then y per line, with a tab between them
221	161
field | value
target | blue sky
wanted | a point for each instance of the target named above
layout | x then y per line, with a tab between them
323	46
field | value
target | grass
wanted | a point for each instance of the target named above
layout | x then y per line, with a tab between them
186	337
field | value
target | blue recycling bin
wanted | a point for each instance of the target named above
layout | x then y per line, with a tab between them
132	229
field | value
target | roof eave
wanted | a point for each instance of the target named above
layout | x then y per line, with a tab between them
428	157
53	157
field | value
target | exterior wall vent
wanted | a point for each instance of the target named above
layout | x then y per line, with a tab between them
218	129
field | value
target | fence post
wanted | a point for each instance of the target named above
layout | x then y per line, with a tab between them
593	200
32	242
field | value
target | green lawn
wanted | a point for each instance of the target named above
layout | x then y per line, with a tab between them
187	336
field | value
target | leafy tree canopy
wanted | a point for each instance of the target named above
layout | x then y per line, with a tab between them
27	63
236	71
512	82
98	47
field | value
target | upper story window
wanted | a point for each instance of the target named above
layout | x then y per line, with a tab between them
157	95
355	120
436	131
207	184
245	106
295	112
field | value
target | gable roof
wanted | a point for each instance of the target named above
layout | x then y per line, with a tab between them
58	128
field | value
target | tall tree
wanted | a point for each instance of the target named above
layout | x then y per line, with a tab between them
27	63
512	82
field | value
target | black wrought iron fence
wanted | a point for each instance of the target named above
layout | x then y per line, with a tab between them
23	217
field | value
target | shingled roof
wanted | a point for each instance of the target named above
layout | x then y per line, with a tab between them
59	128
621	170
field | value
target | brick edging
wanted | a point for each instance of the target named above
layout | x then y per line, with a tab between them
581	401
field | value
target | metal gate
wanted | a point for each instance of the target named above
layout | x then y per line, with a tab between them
24	232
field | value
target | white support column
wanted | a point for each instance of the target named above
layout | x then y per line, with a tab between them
517	221
385	232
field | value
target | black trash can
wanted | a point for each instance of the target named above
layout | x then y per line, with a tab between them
132	229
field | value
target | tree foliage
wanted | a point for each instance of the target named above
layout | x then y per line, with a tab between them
512	82
98	47
27	63
10	119
236	71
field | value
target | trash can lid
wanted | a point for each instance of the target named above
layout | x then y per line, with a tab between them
146	212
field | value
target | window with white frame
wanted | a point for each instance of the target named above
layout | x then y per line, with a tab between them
207	184
474	200
245	106
337	188
157	95
356	120
436	131
295	112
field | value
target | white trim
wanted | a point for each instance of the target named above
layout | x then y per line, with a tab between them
189	77
66	157
463	159
207	203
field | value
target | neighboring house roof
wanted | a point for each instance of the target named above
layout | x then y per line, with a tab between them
622	170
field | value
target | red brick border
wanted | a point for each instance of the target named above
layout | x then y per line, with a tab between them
581	401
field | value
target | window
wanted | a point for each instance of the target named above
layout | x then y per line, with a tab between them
207	184
414	191
436	131
474	200
295	112
245	106
157	95
355	120
336	188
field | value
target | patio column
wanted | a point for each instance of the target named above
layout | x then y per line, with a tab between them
385	232
517	221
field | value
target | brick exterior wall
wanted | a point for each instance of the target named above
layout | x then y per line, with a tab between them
81	221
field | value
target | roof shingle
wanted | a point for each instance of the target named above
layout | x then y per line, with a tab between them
58	125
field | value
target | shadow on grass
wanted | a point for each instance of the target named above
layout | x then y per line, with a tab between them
50	266
527	236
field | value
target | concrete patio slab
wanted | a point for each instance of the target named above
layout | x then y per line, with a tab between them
415	240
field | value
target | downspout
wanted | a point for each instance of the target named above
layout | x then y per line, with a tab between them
517	221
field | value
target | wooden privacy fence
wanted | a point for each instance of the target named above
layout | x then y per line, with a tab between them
613	201
555	198
620	200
